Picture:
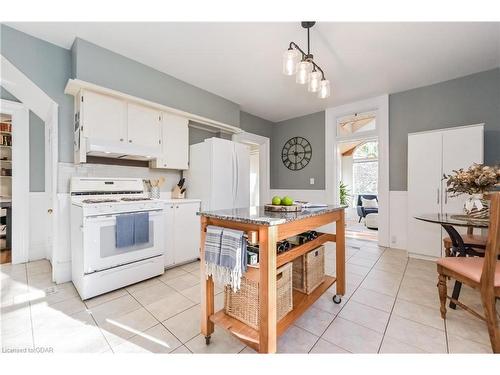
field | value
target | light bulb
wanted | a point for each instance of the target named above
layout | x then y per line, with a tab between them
314	80
303	70
290	59
324	89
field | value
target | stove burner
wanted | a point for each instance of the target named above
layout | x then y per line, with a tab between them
133	199
104	200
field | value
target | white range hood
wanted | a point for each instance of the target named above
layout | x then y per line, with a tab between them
118	150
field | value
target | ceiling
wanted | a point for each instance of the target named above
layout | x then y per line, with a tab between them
242	61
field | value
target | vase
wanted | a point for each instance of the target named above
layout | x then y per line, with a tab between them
477	207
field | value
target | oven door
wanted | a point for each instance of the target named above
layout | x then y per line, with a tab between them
99	237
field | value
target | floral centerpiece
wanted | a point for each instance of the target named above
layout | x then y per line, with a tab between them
475	181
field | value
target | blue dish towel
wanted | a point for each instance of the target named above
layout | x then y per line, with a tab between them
141	228
124	230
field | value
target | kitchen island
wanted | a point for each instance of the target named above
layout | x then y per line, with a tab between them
266	229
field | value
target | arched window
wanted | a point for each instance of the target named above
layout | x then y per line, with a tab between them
366	150
365	168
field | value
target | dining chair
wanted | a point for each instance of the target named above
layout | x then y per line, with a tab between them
478	273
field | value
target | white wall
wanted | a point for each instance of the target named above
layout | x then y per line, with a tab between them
398	215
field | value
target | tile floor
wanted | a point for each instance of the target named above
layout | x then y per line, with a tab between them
391	306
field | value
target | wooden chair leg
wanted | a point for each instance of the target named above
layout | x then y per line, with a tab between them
442	294
490	314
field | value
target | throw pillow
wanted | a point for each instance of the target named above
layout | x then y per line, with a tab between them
369	203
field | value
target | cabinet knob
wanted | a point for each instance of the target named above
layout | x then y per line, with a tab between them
129	141
176	206
171	206
121	139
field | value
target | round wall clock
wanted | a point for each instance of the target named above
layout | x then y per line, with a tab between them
296	153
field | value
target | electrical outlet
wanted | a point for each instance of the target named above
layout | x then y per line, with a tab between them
311	181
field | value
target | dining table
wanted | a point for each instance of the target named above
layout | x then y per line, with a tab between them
449	222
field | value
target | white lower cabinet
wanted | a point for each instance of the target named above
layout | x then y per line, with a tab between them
182	233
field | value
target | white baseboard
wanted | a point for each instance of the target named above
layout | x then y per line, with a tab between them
38	246
62	272
398	219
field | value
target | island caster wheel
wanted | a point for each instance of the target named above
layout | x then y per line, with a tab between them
337	299
207	340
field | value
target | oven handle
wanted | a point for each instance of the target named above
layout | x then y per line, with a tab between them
97	218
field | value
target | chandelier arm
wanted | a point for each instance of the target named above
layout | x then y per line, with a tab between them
294	45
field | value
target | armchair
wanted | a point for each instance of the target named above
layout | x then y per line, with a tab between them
363	211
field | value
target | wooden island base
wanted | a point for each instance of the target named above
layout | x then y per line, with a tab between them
264	340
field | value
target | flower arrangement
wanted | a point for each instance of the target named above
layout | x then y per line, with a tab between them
475	181
478	179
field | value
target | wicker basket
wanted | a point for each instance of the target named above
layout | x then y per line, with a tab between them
309	270
244	304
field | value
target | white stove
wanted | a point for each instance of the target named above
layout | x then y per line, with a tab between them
101	261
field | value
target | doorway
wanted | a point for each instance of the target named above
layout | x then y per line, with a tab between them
259	166
5	188
254	175
358	187
353	122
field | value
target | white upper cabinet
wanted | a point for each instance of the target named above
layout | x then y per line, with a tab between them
143	127
108	126
175	143
103	117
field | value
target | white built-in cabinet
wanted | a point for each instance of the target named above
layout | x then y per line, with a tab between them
430	155
182	240
103	117
110	126
143	127
174	138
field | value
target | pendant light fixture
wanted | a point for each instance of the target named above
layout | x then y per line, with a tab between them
296	61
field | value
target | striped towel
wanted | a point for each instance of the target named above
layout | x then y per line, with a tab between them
213	242
228	264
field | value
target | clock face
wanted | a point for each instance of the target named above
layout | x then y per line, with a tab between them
296	153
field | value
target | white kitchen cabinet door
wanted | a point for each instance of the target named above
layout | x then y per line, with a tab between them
424	192
187	232
175	142
169	255
103	117
143	127
461	148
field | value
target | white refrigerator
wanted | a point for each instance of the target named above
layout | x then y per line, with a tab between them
219	174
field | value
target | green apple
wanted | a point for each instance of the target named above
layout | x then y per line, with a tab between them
276	200
287	201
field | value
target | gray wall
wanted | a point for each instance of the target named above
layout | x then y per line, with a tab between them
199	135
36	146
255	125
106	68
463	101
49	67
311	127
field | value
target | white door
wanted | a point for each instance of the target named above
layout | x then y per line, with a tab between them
175	142
223	181
461	148
103	117
143	127
187	232
242	161
424	192
169	235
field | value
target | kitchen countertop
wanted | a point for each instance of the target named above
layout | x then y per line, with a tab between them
257	215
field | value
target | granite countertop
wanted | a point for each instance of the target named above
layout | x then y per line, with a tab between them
257	215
